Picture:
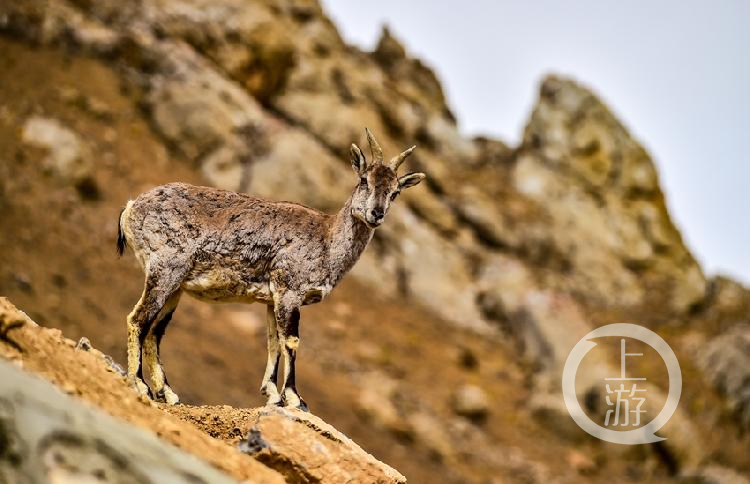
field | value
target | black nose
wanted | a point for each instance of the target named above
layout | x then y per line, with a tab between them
376	214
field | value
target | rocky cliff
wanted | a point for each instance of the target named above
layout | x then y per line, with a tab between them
515	252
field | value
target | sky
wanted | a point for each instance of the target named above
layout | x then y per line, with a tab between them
675	72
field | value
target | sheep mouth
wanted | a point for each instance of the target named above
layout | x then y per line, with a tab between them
363	219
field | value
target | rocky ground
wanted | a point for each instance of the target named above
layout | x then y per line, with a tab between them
65	441
442	353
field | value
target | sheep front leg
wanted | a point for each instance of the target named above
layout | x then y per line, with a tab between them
287	319
268	385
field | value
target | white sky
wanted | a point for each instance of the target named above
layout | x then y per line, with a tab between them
676	72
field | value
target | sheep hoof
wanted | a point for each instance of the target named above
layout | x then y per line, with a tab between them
295	401
139	386
166	395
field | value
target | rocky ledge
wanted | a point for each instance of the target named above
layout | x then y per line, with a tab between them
61	403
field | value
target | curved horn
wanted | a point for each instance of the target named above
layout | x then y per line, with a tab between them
397	160
377	151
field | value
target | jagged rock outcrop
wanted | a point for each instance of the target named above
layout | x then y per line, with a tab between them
581	164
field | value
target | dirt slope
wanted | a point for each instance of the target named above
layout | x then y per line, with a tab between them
289	440
87	376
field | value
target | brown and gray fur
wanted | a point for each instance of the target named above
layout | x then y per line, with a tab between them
223	246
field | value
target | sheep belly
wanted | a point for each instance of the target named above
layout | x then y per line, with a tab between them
224	285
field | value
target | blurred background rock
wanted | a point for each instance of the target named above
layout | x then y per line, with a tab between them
442	352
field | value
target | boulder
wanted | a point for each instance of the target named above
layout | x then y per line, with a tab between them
725	360
432	433
318	449
375	402
66	155
471	401
297	444
50	437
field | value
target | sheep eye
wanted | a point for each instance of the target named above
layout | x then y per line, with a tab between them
363	182
393	196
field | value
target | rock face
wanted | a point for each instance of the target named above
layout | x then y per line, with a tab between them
299	445
580	163
49	437
726	362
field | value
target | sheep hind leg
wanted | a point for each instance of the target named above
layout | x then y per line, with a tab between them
137	320
268	385
156	292
151	353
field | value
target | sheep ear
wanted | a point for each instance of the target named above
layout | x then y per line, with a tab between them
359	164
410	179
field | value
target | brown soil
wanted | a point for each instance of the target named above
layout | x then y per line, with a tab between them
84	374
